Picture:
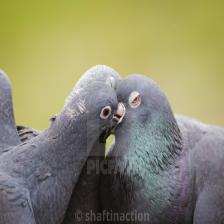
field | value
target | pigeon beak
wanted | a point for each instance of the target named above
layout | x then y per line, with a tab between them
120	113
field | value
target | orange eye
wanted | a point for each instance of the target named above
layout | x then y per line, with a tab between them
134	99
137	100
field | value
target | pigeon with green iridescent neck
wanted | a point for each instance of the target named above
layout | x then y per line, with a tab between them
162	169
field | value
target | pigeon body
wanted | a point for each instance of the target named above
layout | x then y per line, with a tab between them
38	176
162	170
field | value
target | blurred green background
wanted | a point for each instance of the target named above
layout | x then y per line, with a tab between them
45	46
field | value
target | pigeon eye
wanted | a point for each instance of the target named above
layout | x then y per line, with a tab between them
111	82
105	112
134	99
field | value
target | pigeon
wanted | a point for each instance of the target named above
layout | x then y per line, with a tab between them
162	169
8	134
85	196
37	177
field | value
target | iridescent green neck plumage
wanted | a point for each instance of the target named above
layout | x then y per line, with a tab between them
148	161
153	145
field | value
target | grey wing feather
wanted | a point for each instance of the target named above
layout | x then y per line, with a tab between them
206	145
15	203
195	132
8	132
26	133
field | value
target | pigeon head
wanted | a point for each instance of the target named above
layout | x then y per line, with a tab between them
149	127
93	102
96	90
94	106
143	100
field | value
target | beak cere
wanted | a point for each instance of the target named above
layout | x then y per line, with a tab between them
120	113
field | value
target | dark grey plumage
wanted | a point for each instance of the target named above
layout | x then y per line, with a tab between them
8	133
168	169
37	177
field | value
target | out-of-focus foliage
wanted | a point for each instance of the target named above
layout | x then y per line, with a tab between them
46	45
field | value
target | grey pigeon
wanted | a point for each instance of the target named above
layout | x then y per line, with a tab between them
8	133
162	169
37	177
85	197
